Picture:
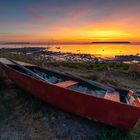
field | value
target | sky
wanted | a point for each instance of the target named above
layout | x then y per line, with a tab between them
70	20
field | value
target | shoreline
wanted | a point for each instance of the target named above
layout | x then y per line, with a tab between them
69	56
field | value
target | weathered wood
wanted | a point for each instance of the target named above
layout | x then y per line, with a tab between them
91	82
66	84
27	70
112	96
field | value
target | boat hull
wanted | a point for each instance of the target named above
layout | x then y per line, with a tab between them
98	109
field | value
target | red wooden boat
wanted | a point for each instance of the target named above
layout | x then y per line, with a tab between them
118	107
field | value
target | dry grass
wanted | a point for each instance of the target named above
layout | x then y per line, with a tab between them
134	68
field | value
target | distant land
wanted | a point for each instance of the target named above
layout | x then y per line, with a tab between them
65	43
42	43
113	42
14	43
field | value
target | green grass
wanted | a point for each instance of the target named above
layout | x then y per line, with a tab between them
98	66
117	134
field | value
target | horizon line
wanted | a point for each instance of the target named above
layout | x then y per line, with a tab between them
64	42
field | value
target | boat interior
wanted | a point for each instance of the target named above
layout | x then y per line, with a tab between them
78	85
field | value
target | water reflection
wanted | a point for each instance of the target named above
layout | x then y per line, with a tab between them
102	50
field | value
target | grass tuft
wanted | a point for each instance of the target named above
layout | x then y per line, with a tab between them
33	104
117	134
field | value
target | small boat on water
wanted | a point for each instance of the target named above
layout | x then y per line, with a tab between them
107	104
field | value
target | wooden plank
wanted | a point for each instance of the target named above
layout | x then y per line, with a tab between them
66	84
7	62
91	82
112	96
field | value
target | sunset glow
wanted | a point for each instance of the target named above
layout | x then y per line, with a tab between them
83	21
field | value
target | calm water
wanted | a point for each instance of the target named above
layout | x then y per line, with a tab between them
102	50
